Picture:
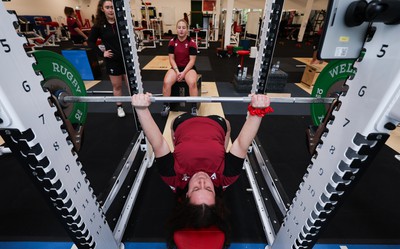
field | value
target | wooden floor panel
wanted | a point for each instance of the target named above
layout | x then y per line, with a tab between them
160	62
307	61
305	87
394	140
91	83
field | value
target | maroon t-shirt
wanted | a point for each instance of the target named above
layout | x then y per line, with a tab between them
199	146
182	50
72	24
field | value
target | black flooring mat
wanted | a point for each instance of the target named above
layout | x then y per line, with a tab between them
203	63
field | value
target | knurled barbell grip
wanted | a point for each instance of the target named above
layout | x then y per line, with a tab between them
200	99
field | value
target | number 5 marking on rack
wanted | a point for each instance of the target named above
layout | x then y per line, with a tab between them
5	45
383	51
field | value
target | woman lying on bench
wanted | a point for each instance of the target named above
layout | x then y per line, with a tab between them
200	167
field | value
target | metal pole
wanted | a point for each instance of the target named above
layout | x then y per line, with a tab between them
114	99
99	92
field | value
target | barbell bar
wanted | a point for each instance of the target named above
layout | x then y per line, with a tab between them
174	99
111	92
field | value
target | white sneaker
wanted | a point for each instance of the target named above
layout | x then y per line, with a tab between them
120	112
165	111
194	111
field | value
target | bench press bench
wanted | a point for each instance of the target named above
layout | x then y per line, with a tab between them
181	89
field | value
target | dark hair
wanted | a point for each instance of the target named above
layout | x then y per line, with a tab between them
68	11
100	16
187	215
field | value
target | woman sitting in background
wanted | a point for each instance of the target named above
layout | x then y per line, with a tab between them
182	51
74	27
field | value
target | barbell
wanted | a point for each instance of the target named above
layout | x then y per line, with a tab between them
68	92
66	85
65	99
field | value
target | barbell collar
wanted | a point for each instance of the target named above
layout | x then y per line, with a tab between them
122	99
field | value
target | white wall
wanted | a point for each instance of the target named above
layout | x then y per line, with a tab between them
288	4
246	4
53	8
172	10
298	5
301	4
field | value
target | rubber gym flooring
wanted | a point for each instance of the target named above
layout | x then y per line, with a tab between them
369	218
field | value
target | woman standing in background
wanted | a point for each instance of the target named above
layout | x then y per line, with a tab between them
105	28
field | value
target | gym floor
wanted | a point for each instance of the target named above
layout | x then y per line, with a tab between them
369	217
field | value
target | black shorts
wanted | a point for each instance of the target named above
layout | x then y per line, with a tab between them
316	42
115	67
77	39
183	68
183	117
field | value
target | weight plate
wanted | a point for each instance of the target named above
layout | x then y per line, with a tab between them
61	76
328	84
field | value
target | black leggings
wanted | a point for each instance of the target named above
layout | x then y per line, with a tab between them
183	117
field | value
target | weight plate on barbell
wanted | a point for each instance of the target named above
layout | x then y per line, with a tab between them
61	76
330	84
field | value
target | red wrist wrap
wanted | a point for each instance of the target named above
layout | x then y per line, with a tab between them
259	111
